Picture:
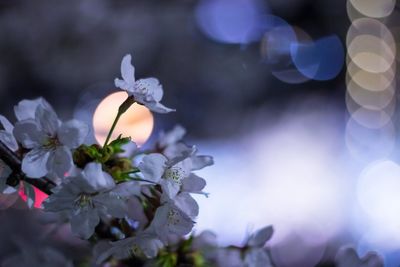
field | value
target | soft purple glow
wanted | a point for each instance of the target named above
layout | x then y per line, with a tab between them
286	176
230	21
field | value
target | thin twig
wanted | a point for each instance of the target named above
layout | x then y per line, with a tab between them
14	162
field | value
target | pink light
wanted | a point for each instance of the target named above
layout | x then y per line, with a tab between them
39	196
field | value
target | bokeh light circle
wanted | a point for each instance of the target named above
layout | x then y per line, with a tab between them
320	60
369	80
137	122
366	144
371	53
276	45
370	118
230	21
377	192
369	98
372	27
277	40
374	8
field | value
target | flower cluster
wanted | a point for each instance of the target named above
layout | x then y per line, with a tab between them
135	209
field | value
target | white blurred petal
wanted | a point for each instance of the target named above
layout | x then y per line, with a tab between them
127	69
26	108
60	161
28	134
34	163
84	221
200	162
187	204
193	183
96	178
73	133
6	124
153	166
172	137
8	139
260	237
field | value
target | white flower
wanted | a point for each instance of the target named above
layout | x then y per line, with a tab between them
50	141
26	109
172	137
6	135
144	244
229	257
255	255
172	146
347	257
172	175
171	220
147	91
87	197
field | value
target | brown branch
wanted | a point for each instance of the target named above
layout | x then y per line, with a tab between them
14	162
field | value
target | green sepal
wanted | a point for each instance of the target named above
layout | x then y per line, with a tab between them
117	144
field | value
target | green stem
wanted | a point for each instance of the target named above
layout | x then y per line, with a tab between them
112	129
121	110
143	180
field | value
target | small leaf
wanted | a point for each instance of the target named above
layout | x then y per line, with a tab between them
118	143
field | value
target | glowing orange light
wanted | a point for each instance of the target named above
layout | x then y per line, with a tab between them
137	122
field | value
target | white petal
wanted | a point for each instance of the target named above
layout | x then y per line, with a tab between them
180	224
113	204
34	164
257	258
172	137
26	108
124	85
149	244
128	189
28	134
187	204
178	150
171	220
229	257
347	257
6	124
84	221
193	184
199	162
73	133
8	139
153	166
96	178
150	89
158	107
47	120
170	188
127	69
60	161
259	238
205	239
63	198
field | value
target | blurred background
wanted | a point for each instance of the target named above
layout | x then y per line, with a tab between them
295	99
